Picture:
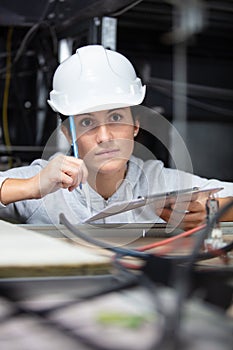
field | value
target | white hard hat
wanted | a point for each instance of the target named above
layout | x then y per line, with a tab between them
95	79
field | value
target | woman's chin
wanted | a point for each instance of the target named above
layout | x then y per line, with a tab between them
110	167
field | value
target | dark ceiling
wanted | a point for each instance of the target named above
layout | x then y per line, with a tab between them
59	13
144	15
153	15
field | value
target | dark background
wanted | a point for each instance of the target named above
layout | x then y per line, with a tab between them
149	33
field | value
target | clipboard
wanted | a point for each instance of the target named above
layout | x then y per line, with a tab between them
159	200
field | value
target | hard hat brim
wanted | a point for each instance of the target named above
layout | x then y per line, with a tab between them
105	104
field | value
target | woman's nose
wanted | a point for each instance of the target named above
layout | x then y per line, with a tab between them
103	133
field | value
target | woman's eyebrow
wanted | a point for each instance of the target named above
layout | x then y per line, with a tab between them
114	109
92	115
85	115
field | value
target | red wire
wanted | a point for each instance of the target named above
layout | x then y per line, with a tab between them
170	239
161	243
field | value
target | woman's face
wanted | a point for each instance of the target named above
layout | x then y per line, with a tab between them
106	139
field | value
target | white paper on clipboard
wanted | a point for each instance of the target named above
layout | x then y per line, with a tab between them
160	200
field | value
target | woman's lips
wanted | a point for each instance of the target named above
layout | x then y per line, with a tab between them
107	152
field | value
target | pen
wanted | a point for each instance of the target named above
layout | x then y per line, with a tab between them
73	137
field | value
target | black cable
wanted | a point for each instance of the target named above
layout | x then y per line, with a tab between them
46	314
129	283
141	280
125	9
23	45
19	310
121	252
194	102
27	38
206	231
93	241
202	256
183	277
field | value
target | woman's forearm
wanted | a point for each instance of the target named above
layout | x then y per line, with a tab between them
14	190
228	216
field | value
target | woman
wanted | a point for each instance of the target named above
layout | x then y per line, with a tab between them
96	89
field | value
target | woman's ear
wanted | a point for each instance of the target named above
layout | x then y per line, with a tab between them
136	128
66	133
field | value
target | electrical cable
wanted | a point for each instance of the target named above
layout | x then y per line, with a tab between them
136	253
171	321
195	89
47	313
93	241
140	249
170	326
26	40
209	227
122	253
170	239
20	310
181	259
6	94
125	9
120	284
194	102
29	35
22	47
45	47
183	278
7	88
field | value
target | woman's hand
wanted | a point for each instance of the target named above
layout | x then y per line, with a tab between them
185	215
61	172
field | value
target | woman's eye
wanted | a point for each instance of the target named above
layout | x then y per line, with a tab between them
86	122
115	117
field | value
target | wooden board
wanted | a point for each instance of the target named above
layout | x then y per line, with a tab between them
26	253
